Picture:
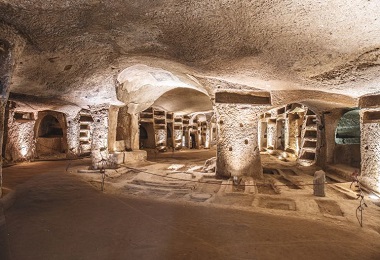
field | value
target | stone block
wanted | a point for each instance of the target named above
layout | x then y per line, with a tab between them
135	156
117	158
243	98
319	183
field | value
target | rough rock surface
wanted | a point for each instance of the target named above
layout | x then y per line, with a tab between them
76	49
370	149
238	152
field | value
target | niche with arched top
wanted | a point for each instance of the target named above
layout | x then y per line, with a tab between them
147	137
50	127
50	133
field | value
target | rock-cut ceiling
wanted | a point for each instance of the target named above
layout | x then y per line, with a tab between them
76	50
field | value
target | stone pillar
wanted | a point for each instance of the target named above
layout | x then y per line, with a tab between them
135	131
237	149
187	137
287	134
319	183
73	130
128	128
208	136
177	136
330	122
123	127
99	145
294	132
370	148
112	127
271	134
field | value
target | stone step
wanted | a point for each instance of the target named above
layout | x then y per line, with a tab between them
305	162
311	139
309	149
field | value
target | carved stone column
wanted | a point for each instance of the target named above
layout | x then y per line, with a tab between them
73	130
99	145
370	149
237	147
370	141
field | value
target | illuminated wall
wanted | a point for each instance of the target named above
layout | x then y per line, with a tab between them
73	135
99	145
237	150
370	148
271	134
20	143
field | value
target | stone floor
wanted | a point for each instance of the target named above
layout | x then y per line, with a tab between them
287	189
148	211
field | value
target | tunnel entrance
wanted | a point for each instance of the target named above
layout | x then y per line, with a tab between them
347	139
147	140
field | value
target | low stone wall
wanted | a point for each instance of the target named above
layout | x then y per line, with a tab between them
49	145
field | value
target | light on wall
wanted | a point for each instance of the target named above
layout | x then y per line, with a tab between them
374	197
24	151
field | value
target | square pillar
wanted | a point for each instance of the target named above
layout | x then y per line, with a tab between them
73	135
99	145
370	148
237	147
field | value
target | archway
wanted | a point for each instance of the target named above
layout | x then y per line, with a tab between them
146	135
51	134
160	97
347	139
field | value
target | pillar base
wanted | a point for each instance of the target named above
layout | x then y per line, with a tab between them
135	156
371	183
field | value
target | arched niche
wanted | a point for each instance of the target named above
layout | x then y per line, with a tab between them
50	127
147	136
51	133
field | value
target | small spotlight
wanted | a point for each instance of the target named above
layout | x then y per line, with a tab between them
24	151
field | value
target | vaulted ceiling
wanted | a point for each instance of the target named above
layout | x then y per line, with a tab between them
75	50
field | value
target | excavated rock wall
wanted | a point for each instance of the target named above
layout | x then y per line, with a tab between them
20	144
370	151
99	146
161	137
177	133
331	120
123	127
73	130
237	150
294	133
271	134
